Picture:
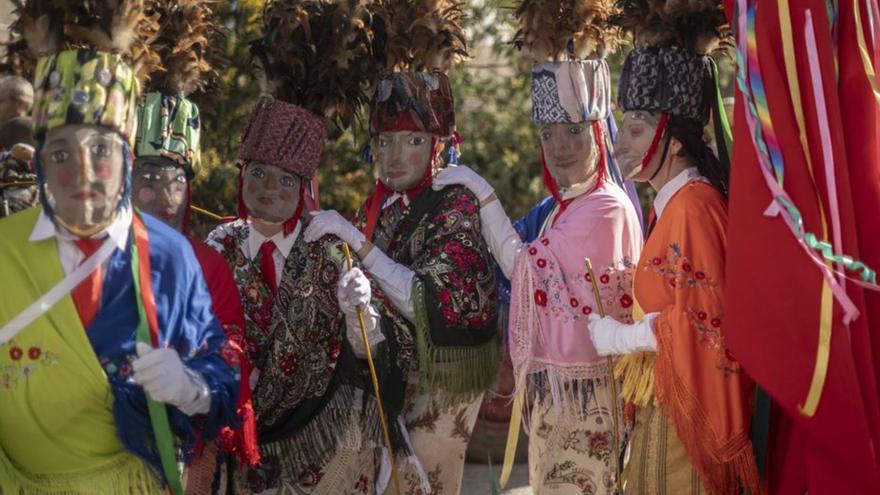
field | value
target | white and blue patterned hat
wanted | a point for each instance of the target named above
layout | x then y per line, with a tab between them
571	91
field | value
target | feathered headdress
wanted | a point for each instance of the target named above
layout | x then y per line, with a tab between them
568	40
314	63
417	42
91	56
168	122
669	71
558	30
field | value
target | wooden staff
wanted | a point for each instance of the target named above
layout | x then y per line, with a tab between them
375	379
616	424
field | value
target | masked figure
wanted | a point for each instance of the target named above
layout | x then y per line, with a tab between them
167	157
559	376
317	420
691	431
18	184
106	372
422	246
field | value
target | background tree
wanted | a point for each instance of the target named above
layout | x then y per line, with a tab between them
493	115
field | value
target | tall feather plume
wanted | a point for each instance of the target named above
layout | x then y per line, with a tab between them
317	54
419	35
697	25
116	26
183	44
566	29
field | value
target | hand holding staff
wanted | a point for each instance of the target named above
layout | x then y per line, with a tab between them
614	399
375	379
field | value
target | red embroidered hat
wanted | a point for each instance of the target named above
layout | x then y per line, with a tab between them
284	135
314	63
413	101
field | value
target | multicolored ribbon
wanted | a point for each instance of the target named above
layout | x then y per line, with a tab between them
769	154
148	333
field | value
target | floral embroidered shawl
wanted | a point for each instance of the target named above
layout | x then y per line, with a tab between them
552	296
698	384
310	393
438	237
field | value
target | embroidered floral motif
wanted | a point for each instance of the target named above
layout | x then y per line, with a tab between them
711	337
615	287
24	362
677	270
567	473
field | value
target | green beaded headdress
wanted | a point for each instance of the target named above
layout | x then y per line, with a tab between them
168	122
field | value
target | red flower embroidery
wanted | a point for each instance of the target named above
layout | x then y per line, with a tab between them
540	298
626	301
656	261
716	322
545	241
604	278
533	250
34	353
588	278
542	263
586	310
686	267
574	302
700	275
16	353
289	365
702	315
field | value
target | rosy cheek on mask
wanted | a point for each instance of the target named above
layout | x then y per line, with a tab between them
146	195
66	177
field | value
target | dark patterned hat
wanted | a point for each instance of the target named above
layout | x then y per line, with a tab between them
667	80
670	71
413	101
421	40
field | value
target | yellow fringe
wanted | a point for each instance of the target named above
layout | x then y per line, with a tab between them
637	373
124	474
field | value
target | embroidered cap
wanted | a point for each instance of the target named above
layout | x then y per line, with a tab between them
169	126
413	101
284	135
85	86
571	91
672	80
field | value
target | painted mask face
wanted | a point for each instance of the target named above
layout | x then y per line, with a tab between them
569	152
270	193
82	168
159	187
403	158
633	140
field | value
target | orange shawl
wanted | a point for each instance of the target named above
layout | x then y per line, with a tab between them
697	383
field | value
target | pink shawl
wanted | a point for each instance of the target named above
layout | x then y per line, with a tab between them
551	294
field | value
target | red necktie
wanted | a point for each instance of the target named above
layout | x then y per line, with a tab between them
267	265
87	295
652	222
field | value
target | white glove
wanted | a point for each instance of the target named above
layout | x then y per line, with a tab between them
353	292
466	177
164	376
610	337
394	279
500	235
331	222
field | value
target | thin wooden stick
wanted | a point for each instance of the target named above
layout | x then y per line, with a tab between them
375	378
614	399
